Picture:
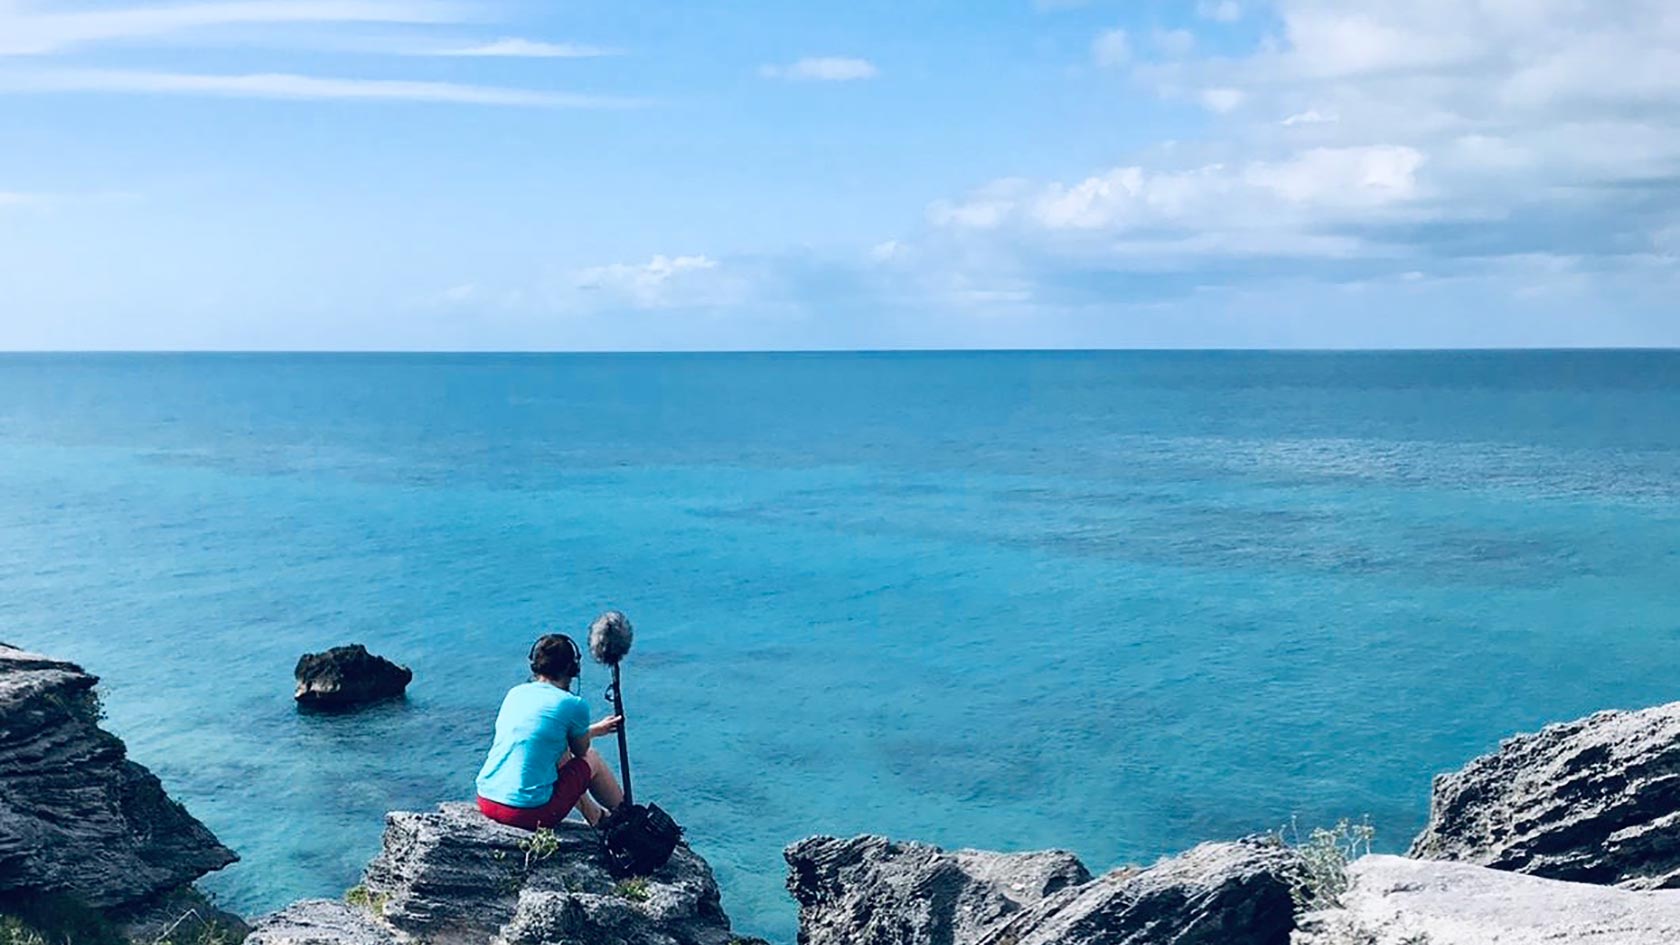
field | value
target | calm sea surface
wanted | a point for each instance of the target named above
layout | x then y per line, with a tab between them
1118	603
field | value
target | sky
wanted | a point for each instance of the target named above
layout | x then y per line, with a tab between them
594	175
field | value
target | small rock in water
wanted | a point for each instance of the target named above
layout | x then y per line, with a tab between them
348	676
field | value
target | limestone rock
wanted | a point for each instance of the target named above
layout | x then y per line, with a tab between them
454	876
873	891
1596	800
320	922
1216	894
1397	901
76	815
348	676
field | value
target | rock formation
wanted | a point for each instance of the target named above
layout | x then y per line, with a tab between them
1596	800
348	676
870	891
321	922
454	876
1396	901
76	816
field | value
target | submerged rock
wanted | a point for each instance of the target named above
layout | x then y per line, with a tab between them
77	817
348	676
1396	901
454	876
1596	800
870	891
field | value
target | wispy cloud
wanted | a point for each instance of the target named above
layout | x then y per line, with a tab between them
822	69
294	87
24	31
1112	48
516	48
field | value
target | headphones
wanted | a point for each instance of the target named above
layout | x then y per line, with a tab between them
574	666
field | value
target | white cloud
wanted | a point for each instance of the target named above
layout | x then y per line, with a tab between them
822	69
1175	43
513	47
24	31
1220	11
1223	100
293	87
1111	48
661	282
1311	116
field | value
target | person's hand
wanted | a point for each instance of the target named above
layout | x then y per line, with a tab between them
606	726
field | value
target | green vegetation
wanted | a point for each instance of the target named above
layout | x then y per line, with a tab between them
361	898
634	889
1325	855
62	920
539	846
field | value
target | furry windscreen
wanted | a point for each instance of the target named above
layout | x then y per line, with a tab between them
610	637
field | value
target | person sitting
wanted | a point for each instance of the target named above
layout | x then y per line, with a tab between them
540	765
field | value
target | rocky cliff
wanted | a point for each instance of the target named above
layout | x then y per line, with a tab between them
1596	800
871	891
453	876
77	817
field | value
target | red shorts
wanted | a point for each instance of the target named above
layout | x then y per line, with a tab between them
568	790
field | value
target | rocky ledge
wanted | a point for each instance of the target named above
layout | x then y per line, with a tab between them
77	817
1596	800
347	676
453	876
872	891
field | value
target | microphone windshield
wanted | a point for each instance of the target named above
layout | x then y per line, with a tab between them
610	637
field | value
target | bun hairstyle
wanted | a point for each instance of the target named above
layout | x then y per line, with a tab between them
610	637
555	656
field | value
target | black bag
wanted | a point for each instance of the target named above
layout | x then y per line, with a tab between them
639	839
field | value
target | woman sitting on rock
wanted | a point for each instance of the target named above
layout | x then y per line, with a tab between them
540	765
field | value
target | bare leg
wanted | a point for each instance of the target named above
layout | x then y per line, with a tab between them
602	784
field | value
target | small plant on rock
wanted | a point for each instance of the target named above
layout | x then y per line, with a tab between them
14	932
360	897
539	846
634	889
1325	854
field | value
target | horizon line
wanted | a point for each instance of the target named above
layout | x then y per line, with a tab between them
534	352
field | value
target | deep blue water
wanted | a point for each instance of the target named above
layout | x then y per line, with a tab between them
1115	602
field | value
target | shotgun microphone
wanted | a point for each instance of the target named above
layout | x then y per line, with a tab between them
610	637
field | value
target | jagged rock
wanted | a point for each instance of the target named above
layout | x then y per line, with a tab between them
872	891
76	816
454	876
1596	800
1215	894
320	922
1396	901
347	676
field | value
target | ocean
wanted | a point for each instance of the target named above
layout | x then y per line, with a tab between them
1118	603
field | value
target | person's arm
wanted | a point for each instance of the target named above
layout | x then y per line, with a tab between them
578	741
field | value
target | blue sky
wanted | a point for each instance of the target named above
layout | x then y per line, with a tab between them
430	174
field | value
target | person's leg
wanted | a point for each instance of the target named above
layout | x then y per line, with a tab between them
602	784
591	811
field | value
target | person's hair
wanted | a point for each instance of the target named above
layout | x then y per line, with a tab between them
555	656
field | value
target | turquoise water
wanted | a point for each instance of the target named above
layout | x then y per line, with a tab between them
1118	603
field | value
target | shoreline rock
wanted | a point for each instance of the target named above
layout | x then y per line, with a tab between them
346	677
77	816
454	876
1399	901
872	891
1595	800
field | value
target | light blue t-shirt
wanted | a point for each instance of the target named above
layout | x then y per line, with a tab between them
531	733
